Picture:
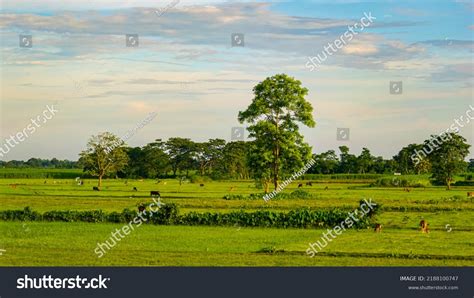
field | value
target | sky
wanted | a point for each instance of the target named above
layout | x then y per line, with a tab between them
186	70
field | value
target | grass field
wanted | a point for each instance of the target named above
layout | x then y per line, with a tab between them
450	214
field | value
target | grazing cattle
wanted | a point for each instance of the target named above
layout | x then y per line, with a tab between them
82	182
155	193
470	194
13	186
141	208
309	183
378	228
326	188
135	189
201	185
95	188
406	189
424	226
300	185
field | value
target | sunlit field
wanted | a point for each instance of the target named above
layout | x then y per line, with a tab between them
40	243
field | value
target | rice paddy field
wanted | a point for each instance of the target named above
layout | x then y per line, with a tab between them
450	215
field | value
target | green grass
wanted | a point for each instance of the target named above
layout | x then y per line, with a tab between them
399	244
73	244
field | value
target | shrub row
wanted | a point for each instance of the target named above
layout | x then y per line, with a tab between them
464	183
342	176
399	182
297	194
169	215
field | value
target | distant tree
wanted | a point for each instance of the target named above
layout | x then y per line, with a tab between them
325	163
95	159
135	166
278	106
234	161
155	160
447	159
404	160
181	153
470	167
208	154
423	166
348	162
365	161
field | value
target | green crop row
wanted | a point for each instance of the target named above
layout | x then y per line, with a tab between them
169	215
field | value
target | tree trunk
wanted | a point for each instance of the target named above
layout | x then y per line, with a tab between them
100	181
277	157
266	186
448	183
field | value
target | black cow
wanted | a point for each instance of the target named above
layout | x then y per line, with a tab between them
135	189
155	193
201	185
309	183
300	185
95	188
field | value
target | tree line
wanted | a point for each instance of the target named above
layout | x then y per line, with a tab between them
276	150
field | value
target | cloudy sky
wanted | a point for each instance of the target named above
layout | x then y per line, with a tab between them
187	71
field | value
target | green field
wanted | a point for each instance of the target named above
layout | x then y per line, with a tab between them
72	243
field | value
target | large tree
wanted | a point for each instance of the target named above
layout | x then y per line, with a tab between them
447	159
104	155
277	108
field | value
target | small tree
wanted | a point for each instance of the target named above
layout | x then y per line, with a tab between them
103	156
448	157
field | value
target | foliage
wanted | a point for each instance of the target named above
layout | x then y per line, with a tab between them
103	156
278	106
448	157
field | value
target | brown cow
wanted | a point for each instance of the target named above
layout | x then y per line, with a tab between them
378	228
300	185
470	194
424	226
155	193
309	183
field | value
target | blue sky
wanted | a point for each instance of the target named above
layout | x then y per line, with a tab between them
186	70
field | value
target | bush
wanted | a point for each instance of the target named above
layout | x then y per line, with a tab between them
398	182
297	194
199	179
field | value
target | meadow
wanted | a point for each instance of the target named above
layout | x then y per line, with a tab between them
40	243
